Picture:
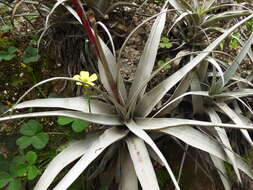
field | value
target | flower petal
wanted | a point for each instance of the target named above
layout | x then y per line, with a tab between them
84	75
93	77
78	83
76	77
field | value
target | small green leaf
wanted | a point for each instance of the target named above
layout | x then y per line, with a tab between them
31	157
24	142
31	55
15	185
15	165
165	39
5	178
6	28
165	43
30	128
12	50
33	172
21	170
64	120
6	56
234	43
79	125
40	140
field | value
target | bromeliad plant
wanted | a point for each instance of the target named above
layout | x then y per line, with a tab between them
125	116
197	20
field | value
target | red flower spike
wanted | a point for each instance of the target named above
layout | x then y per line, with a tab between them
86	25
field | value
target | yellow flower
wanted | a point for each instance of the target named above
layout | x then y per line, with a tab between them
85	77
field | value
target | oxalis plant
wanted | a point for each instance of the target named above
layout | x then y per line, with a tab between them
128	118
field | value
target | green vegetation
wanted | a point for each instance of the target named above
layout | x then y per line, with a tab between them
32	135
96	124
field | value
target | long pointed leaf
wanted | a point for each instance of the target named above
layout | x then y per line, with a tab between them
150	99
113	66
236	119
99	145
75	150
142	163
128	178
93	118
224	139
76	103
219	164
143	135
148	57
161	123
181	89
201	141
232	69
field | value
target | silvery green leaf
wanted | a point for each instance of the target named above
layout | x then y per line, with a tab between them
148	56
150	99
72	152
208	4
134	128
95	149
217	66
113	67
181	16
250	53
236	63
75	103
104	161
225	15
199	140
57	4
163	123
181	89
219	164
239	94
128	178
59	78
222	135
73	12
142	163
236	119
102	119
197	101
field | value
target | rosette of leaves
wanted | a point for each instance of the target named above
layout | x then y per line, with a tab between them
129	117
197	21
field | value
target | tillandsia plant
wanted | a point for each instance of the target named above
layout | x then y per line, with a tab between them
198	19
129	118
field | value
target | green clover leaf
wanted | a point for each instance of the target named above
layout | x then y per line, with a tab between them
5	178
64	120
15	184
165	43
24	142
30	128
76	125
79	126
33	135
32	172
31	55
40	140
31	157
